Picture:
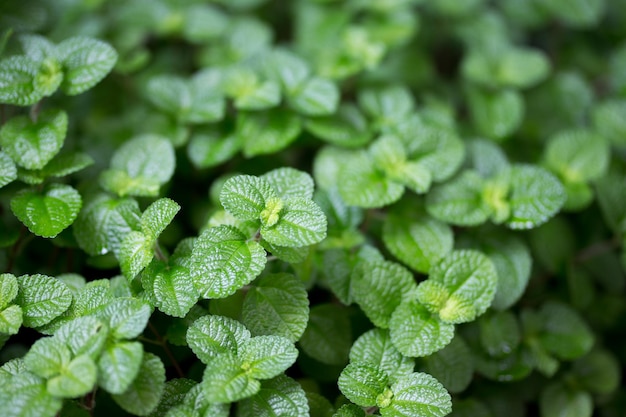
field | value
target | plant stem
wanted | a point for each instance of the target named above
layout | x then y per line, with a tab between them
597	249
167	350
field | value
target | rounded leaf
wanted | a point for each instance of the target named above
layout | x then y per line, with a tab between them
418	394
362	383
453	365
459	201
281	396
327	337
301	222
245	196
211	335
42	299
265	357
143	394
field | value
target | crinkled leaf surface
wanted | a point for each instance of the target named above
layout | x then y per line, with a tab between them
84	335
225	380
301	222
277	305
135	253
224	261
264	357
18	86
174	290
8	289
158	216
281	396
8	170
289	182
418	394
47	357
76	379
33	144
459	201
11	319
127	317
119	365
245	196
363	383
327	337
212	335
42	298
577	155
86	62
143	394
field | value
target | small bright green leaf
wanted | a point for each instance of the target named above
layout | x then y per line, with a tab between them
119	365
327	337
289	182
499	333
565	333
379	287
204	408
265	357
510	67
225	380
8	289
374	347
350	410
416	332
47	357
316	97
11	319
86	62
301	222
83	335
277	305
609	119
42	298
363	383
268	131
104	222
453	365
158	216
459	201
212	335
558	400
418	394
245	196
60	166
347	127
174	290
536	195
8	170
33	144
362	185
418	243
224	261
496	114
144	393
20	81
76	379
388	153
127	317
209	147
466	281
577	155
281	396
135	253
387	105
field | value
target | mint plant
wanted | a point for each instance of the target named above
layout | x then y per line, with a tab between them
325	208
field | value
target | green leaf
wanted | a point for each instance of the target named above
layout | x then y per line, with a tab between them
315	97
119	365
558	400
174	393
22	81
8	289
363	383
264	357
319	406
418	394
8	170
609	119
327	337
612	201
268	131
104	222
379	287
347	127
158	216
31	400
565	334
42	298
287	68
127	317
416	332
279	396
210	336
174	290
362	185
577	155
209	147
144	393
418	242
386	105
135	253
11	319
460	287
499	333
374	347
47	357
246	196
60	166
250	93
453	365
86	62
486	157
202	407
33	144
577	14
225	380
496	114
536	196
76	379
290	183
224	261
350	410
301	222
459	201
598	372
277	305
84	335
140	166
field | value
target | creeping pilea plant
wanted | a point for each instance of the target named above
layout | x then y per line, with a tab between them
325	208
